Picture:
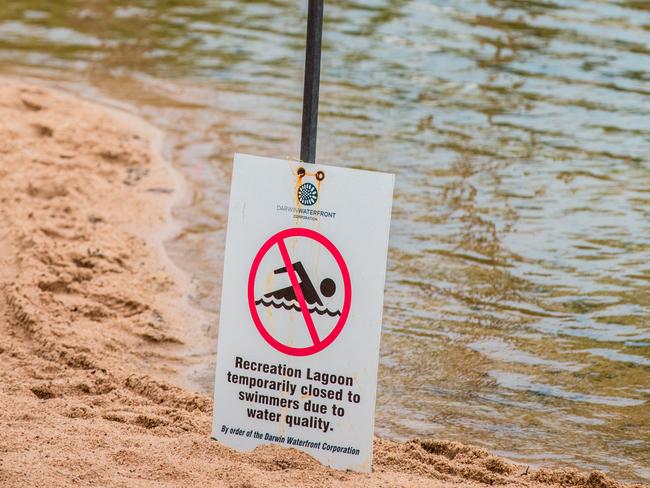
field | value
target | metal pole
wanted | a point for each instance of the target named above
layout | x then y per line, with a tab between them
312	81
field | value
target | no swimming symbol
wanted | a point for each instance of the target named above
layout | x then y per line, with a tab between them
321	313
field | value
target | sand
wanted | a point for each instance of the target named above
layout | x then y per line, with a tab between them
94	322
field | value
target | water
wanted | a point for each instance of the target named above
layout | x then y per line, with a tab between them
517	303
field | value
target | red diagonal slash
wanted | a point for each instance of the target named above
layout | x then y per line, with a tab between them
298	291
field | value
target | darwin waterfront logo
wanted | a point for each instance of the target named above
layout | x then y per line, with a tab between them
307	194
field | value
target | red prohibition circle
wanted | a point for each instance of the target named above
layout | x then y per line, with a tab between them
318	345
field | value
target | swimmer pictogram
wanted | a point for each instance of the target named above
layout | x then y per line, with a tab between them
323	311
287	299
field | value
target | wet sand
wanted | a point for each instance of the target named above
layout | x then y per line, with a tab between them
94	322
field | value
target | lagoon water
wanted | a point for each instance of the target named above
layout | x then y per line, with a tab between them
518	296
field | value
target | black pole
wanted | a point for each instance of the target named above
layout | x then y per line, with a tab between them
312	81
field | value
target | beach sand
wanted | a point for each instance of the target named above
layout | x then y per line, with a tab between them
94	321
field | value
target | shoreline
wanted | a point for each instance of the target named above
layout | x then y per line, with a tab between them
177	193
93	323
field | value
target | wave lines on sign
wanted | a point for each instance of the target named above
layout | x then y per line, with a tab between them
293	305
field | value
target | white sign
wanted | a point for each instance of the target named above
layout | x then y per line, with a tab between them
301	309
